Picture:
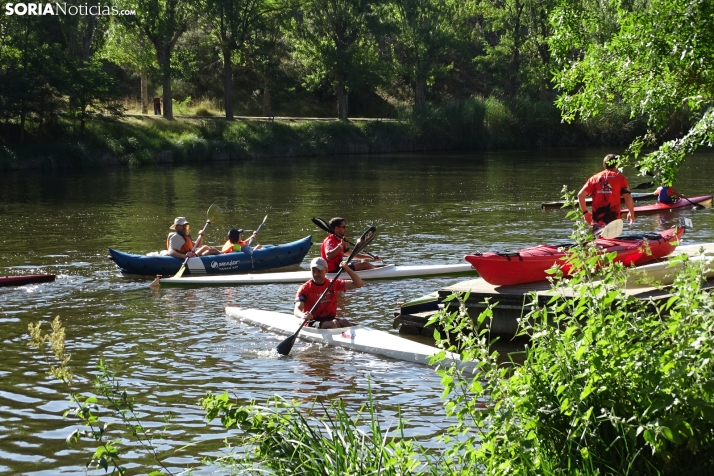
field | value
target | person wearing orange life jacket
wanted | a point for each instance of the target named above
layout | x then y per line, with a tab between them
666	194
325	315
234	241
179	243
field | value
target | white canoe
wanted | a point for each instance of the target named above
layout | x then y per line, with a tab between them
360	338
664	272
385	272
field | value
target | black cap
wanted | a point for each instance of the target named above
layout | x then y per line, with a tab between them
234	235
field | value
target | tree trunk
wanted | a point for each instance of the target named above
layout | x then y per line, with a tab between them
164	59
267	102
144	93
228	83
420	89
341	101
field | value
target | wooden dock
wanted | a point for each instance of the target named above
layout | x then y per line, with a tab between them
513	303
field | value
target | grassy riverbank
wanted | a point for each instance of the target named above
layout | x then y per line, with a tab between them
474	124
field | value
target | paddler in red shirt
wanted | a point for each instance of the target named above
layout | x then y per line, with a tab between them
325	316
333	249
607	189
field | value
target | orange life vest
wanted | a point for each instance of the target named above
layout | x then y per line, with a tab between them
187	246
228	246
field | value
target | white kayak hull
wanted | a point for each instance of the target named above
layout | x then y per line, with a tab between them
383	273
664	272
359	338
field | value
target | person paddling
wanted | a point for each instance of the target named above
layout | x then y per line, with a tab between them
325	316
333	248
607	188
234	240
666	194
179	243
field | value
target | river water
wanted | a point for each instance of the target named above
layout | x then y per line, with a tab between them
168	348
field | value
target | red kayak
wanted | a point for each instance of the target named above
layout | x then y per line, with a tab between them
29	279
666	207
505	268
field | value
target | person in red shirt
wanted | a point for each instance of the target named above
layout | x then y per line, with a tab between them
325	316
333	248
607	189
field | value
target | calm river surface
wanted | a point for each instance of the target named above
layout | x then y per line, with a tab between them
169	348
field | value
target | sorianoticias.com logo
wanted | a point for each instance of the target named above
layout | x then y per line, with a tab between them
63	9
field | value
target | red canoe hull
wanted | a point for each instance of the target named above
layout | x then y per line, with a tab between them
29	279
530	264
666	207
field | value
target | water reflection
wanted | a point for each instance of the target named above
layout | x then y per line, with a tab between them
168	348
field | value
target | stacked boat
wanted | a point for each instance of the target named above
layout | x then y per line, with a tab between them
507	268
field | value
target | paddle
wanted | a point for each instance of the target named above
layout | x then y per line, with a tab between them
321	223
250	241
285	346
257	231
697	206
611	230
212	214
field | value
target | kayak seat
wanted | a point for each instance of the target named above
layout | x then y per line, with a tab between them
640	237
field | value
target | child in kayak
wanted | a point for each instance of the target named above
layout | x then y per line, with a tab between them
666	194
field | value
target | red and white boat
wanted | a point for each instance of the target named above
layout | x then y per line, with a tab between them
689	202
506	268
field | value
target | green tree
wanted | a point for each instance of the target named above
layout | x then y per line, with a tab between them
130	49
426	32
163	22
332	41
233	23
515	56
655	57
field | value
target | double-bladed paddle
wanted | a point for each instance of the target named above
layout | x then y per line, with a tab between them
211	215
321	223
285	346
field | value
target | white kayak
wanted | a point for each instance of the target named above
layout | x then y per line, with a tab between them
664	272
382	273
360	338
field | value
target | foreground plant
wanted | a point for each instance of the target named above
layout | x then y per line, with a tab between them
609	384
87	409
283	438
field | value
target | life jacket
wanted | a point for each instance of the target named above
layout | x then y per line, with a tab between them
663	196
187	246
229	247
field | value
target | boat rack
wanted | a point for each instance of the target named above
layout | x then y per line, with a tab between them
512	305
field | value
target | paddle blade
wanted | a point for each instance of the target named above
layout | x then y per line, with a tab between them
286	346
180	271
321	224
156	283
364	240
611	230
213	212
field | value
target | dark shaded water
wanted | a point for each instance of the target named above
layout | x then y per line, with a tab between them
169	348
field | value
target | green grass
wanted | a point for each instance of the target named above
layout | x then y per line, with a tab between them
471	124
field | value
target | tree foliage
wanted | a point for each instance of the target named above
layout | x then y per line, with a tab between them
655	57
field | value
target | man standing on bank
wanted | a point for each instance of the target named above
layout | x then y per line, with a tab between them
607	189
325	316
333	248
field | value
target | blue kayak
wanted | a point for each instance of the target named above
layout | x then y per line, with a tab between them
268	257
